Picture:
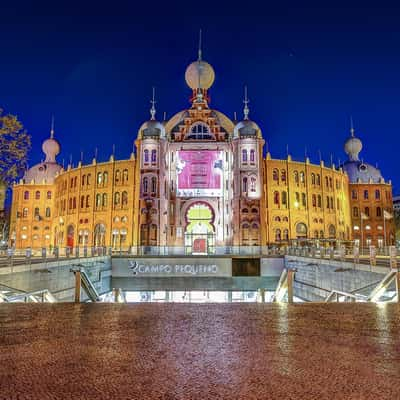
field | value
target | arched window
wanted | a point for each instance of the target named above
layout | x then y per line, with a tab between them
367	211
254	210
301	229
275	175
245	211
283	175
319	201
244	155
303	200
83	179
199	131
87	200
296	177
105	178
332	231
278	235
252	184
252	156
153	184
37	195
316	234
312	178
145	185
124	198
117	198
284	198
70	203
26	195
318	180
117	176
146	156
302	177
276	198
354	194
82	201
154	156
366	194
330	183
104	200
377	194
74	203
378	212
99	178
98	200
286	234
314	200
49	195
88	179
245	184
321	234
25	213
125	176
47	213
36	212
277	219
327	182
355	212
75	180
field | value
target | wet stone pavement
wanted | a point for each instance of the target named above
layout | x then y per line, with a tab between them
203	351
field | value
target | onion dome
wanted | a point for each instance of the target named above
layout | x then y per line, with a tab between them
47	170
247	127
152	128
199	74
358	171
353	145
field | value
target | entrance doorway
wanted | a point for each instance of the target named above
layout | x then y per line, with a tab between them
199	233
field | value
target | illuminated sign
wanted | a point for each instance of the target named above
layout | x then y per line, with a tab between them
199	173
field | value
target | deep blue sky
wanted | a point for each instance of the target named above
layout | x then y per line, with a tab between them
307	67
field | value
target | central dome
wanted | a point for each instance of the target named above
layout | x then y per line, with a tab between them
199	73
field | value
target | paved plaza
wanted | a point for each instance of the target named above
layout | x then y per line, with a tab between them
207	351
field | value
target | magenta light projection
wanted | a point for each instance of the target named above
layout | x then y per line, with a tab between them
199	173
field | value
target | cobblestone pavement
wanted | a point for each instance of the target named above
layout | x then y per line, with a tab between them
207	351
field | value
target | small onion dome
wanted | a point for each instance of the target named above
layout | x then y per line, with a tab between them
246	128
352	148
152	129
51	148
199	73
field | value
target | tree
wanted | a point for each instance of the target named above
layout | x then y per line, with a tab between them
14	146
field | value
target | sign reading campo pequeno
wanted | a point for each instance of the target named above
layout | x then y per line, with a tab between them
190	269
169	267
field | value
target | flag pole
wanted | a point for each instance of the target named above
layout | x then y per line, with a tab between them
362	234
384	229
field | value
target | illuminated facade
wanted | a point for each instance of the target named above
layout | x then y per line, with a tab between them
197	181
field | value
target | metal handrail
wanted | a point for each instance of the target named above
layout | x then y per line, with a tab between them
41	294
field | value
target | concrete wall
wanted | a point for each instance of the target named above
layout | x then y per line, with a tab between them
331	275
57	277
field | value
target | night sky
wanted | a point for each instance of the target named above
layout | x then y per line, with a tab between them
308	68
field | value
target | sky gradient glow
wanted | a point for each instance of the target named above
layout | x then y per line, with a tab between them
307	68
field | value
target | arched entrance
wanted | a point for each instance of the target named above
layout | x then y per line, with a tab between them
301	230
199	232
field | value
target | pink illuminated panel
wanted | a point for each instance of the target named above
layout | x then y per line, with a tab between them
199	173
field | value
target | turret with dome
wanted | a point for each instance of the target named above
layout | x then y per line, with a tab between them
46	171
357	170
